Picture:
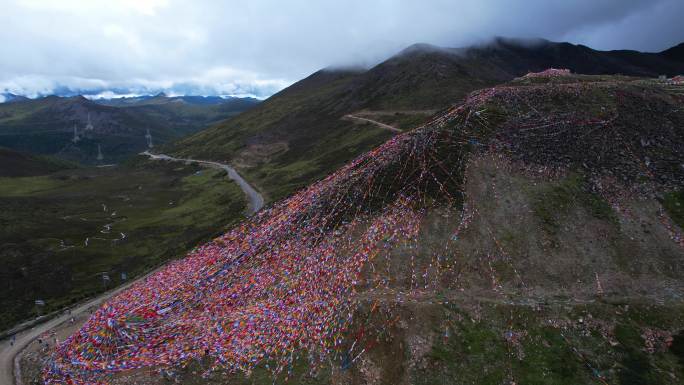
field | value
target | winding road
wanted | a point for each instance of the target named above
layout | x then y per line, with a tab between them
256	201
9	352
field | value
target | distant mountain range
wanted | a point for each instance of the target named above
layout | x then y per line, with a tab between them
161	98
107	131
10	97
300	134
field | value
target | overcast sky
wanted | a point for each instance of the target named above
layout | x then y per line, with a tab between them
256	47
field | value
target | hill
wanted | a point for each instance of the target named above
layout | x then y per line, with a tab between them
304	132
530	234
46	125
13	164
675	53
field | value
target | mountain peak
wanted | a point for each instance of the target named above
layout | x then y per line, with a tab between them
79	99
420	47
9	97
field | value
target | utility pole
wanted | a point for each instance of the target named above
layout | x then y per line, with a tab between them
89	126
105	280
148	136
75	138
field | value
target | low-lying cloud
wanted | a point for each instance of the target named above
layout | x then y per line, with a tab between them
257	47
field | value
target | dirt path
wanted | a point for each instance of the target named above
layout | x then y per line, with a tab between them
379	124
256	200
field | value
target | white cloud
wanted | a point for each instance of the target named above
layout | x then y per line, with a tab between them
260	46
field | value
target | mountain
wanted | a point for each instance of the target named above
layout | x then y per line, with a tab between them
675	53
9	98
303	132
119	129
239	103
530	233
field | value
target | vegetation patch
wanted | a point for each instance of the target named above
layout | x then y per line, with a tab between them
552	202
674	205
59	234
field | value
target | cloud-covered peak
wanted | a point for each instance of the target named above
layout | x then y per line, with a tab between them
257	47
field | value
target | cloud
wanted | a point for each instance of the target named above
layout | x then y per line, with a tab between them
222	81
259	46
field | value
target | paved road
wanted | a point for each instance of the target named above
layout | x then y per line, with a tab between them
256	201
379	124
9	363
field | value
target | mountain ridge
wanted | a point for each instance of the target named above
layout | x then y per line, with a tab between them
288	140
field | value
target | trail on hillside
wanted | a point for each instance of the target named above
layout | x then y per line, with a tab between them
379	124
256	200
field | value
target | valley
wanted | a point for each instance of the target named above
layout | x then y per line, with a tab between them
62	232
256	200
105	132
503	213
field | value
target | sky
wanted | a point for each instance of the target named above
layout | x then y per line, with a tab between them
257	47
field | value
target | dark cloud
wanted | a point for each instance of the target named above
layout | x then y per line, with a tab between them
259	46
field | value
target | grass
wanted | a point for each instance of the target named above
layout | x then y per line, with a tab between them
673	203
556	200
163	210
308	117
476	351
13	164
290	173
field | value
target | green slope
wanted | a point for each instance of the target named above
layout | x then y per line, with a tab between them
14	163
298	135
164	209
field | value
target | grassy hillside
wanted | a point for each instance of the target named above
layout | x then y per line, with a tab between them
14	163
300	134
290	139
58	232
46	125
